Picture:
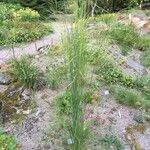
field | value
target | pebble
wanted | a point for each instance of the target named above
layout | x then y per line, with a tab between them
4	79
106	92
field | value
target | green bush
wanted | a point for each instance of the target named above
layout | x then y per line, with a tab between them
18	25
7	142
127	96
25	72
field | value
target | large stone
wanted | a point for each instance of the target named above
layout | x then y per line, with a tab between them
135	65
4	79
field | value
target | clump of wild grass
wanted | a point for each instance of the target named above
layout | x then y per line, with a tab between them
125	36
127	96
128	38
74	44
24	71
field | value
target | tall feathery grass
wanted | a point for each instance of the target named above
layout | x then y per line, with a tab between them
74	45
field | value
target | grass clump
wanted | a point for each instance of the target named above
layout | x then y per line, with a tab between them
128	38
7	142
127	96
145	59
125	36
25	72
74	44
18	24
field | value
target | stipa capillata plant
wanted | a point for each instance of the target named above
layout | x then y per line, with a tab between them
74	45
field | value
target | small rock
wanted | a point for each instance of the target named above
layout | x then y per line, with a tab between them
106	92
4	79
26	95
70	141
26	112
47	146
139	118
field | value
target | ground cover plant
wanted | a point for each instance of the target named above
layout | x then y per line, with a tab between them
18	24
108	70
7	142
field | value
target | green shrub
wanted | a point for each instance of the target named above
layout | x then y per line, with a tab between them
27	14
7	142
145	58
127	96
19	25
25	72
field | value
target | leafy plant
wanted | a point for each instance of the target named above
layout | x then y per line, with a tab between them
108	70
127	96
18	24
25	72
109	141
63	101
7	142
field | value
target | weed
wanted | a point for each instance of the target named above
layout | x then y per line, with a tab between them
127	96
7	142
63	101
110	141
25	72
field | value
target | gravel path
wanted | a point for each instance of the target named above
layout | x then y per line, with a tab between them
31	48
